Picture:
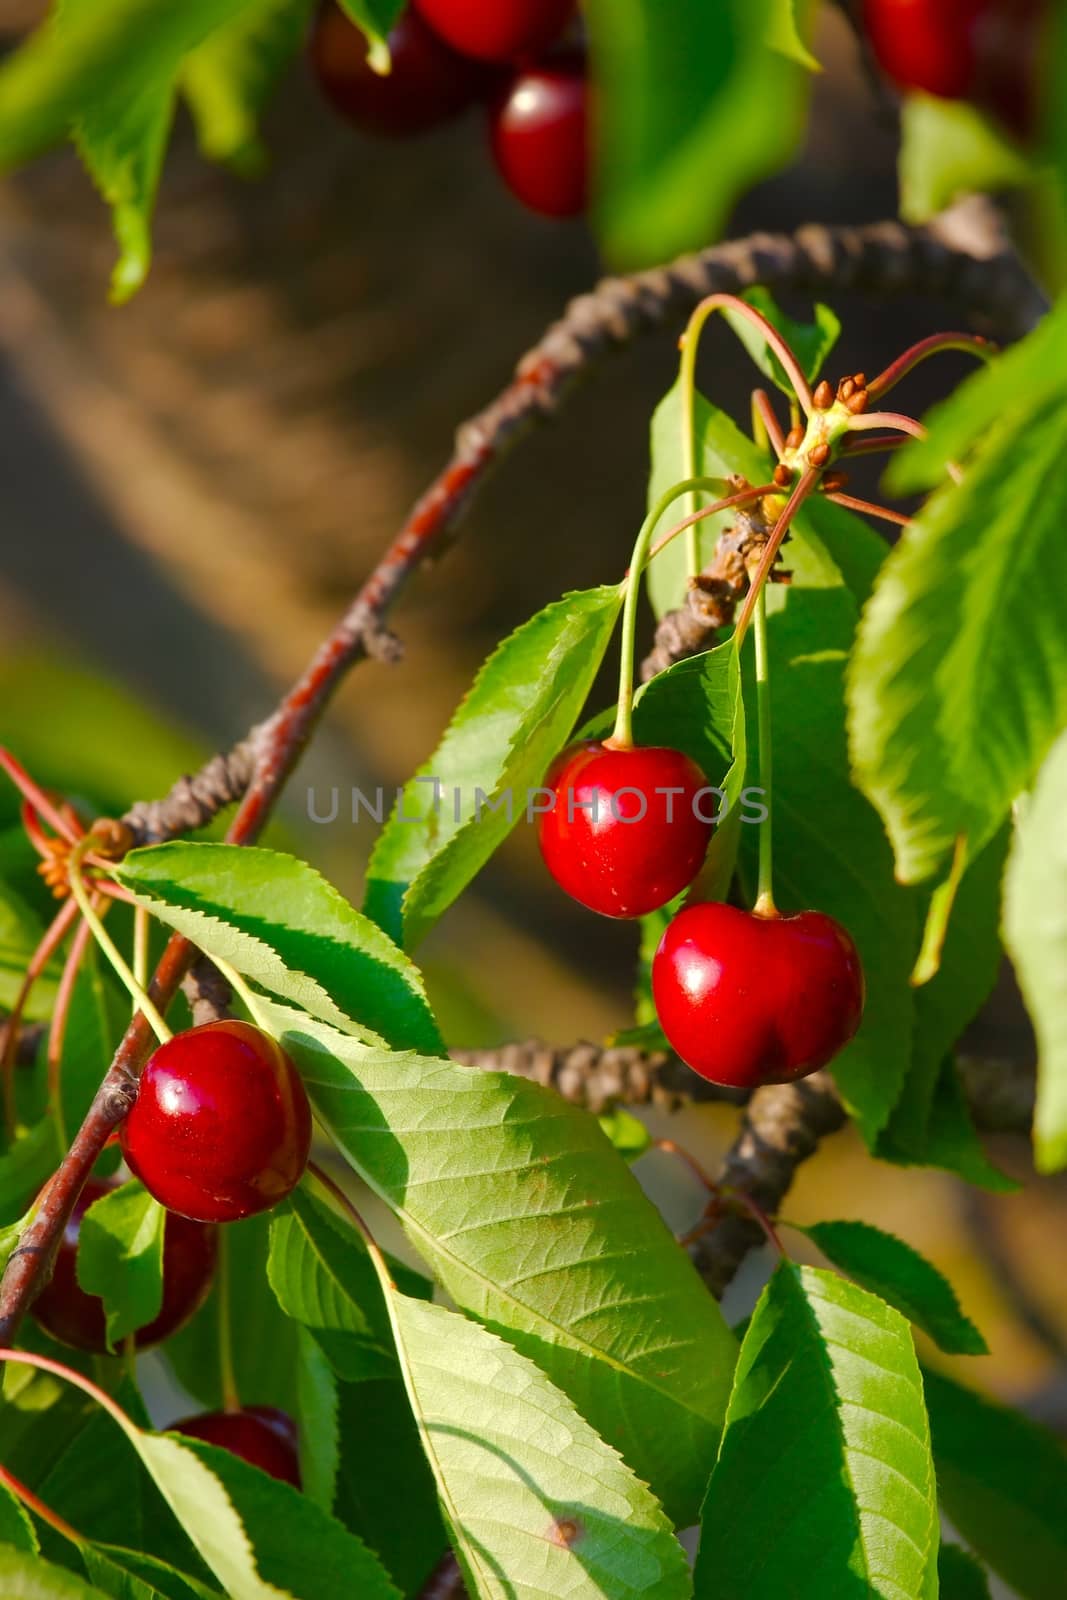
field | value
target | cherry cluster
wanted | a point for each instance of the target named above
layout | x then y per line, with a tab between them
744	997
220	1130
984	51
447	55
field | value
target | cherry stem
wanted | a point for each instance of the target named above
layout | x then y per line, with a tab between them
143	1003
903	424
970	344
780	346
622	735
239	987
37	798
766	428
743	497
870	509
50	942
803	489
58	1031
348	1206
721	1192
755	1210
231	1400
854	445
28	1358
38	1507
764	906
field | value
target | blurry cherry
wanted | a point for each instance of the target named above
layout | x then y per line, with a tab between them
538	127
497	30
428	83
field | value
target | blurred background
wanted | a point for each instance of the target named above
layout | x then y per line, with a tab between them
194	485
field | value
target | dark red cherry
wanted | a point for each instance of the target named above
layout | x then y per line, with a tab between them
221	1126
747	999
75	1318
628	829
538	127
1007	72
258	1434
925	44
497	30
427	84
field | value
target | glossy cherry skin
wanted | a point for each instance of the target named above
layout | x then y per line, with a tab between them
427	85
75	1318
221	1126
615	844
497	30
258	1434
747	1000
538	128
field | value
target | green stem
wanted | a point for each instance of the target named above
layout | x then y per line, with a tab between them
231	1400
107	944
240	988
687	383
140	946
765	884
622	735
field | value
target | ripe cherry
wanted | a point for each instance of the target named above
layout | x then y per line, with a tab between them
538	128
258	1434
427	84
221	1126
497	30
747	999
628	829
76	1318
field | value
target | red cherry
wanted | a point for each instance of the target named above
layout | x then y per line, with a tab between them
428	83
497	30
1006	80
538	127
925	44
75	1318
221	1126
747	999
258	1434
628	829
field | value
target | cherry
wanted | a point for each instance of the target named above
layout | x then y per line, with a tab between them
221	1126
747	999
428	83
628	829
497	30
75	1318
538	128
261	1435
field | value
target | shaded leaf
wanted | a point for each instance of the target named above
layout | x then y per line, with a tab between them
95	1023
134	1575
15	1525
811	342
897	1273
827	1383
120	1257
320	1438
25	1164
948	149
26	1577
961	1576
465	800
228	79
20	933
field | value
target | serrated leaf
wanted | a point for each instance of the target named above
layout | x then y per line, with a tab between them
120	1257
125	1574
375	18
898	1274
1035	930
320	1436
516	717
827	1384
26	1577
228	79
279	922
812	342
534	1224
535	1500
16	1529
1003	1482
672	165
949	149
961	1576
31	1158
958	683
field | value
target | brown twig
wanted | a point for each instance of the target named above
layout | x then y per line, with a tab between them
445	1581
883	258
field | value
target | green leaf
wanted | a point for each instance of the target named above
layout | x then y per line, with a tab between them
959	679
278	921
229	78
628	1136
265	1336
134	1575
891	1269
672	164
811	341
534	1224
949	149
20	933
95	1023
376	19
961	1576
120	1258
535	1500
1003	1483
1035	930
516	717
25	1164
15	1526
827	1387
26	1577
791	23
320	1437
952	1141
9	1238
